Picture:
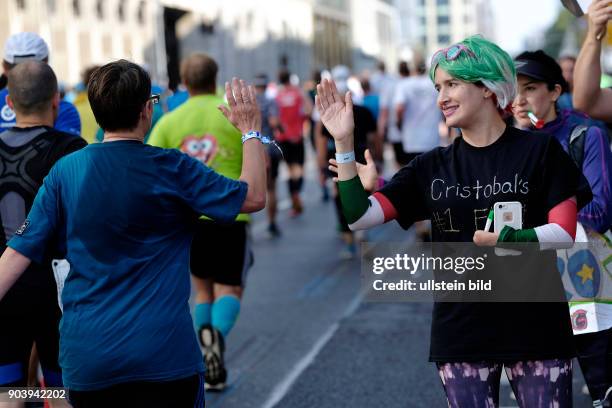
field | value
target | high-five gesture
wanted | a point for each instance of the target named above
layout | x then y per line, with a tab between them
336	112
243	110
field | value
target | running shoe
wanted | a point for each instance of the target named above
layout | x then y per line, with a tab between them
296	206
273	231
213	347
325	195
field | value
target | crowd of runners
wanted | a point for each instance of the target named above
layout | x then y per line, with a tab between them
126	200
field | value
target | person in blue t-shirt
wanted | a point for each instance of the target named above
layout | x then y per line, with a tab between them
29	46
122	213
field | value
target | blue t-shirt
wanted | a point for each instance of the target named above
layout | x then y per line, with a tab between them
68	119
125	213
372	102
176	99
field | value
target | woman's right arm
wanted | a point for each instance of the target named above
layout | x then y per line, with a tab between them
361	211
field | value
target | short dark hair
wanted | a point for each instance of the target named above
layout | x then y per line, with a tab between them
8	66
365	85
284	76
403	68
117	93
421	67
199	72
87	74
32	86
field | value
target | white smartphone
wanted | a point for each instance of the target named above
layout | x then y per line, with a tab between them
508	213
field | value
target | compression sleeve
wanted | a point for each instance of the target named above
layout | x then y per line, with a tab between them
559	233
354	199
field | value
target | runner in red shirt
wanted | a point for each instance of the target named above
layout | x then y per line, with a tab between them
291	104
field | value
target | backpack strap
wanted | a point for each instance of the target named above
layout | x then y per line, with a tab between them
576	145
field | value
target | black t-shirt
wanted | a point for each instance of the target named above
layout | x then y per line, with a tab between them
26	156
364	124
455	187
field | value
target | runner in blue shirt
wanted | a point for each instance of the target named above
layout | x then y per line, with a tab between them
122	212
29	46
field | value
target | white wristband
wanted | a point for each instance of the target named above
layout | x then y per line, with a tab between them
342	158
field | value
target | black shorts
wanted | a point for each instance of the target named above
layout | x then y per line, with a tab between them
293	153
221	252
275	158
27	318
183	393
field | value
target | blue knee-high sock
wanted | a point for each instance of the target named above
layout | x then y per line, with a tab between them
225	312
202	314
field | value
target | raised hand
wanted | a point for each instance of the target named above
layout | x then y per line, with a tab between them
368	175
336	111
243	110
599	14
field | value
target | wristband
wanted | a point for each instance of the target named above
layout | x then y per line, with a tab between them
256	135
342	158
253	134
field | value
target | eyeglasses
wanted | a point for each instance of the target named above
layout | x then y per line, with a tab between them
155	98
451	53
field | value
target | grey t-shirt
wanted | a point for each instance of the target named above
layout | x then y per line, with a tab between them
268	108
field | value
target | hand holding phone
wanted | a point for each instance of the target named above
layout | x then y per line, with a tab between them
508	213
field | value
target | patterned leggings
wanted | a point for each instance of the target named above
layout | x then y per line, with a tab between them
536	384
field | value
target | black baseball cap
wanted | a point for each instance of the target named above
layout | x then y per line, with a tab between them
540	66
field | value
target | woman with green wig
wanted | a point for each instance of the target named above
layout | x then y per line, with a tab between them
456	187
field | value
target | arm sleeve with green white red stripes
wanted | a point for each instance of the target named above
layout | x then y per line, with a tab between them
559	233
361	211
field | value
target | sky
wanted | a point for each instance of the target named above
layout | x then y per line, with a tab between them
517	20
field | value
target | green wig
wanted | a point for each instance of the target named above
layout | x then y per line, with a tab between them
478	60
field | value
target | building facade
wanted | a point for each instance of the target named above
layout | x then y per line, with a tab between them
81	33
440	23
375	32
244	36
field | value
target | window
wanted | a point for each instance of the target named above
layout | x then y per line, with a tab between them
444	10
21	4
444	29
442	2
443	20
121	11
337	4
141	12
100	9
444	39
76	7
